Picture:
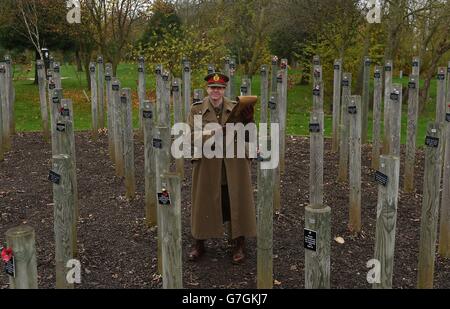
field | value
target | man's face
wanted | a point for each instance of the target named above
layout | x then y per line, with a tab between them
216	93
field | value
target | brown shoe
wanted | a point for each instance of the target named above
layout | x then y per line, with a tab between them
238	250
198	251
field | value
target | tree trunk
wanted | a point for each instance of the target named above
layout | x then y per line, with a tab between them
36	58
78	61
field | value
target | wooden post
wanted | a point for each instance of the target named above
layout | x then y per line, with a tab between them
354	111
274	74
231	83
444	227
448	84
430	206
101	92
388	68
394	119
186	88
94	103
226	71
377	99
164	120
440	95
128	143
387	218
365	100
110	110
63	217
244	88
336	103
141	93
118	129
161	144
265	226
43	98
178	118
5	107
264	92
413	113
344	128
66	145
283	112
317	259
316	159
11	94
170	225
149	164
159	90
274	118
3	112
22	241
57	75
55	101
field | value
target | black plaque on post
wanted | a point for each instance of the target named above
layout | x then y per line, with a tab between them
147	114
10	267
352	110
316	92
314	127
395	96
412	85
388	68
381	178
337	67
310	239
115	87
447	117
345	83
54	177
60	127
377	75
157	143
441	76
164	198
272	105
431	141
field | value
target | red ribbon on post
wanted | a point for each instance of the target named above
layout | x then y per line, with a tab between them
6	254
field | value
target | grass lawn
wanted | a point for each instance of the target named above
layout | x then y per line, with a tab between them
27	112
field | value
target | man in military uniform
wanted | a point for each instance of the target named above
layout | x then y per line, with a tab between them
221	187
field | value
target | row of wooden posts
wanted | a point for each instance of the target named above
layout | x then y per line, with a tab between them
160	181
348	128
7	99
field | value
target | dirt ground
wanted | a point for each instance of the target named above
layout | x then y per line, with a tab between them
117	250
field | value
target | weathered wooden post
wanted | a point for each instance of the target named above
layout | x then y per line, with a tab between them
354	111
66	145
161	144
141	92
5	107
149	164
283	111
231	83
440	95
56	96
388	68
377	99
3	111
169	199
128	143
448	84
178	118
244	88
63	217
336	103
274	74
265	224
274	118
94	102
388	179
186	88
430	206
344	128
57	74
110	110
165	100
21	240
264	73
317	232
43	98
159	91
118	129
226	71
101	92
365	100
444	227
67	114
11	93
413	113
394	119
